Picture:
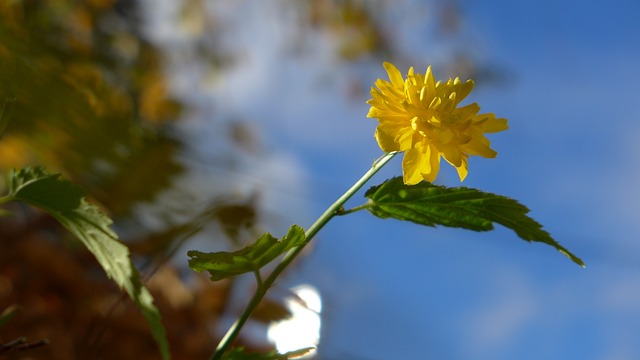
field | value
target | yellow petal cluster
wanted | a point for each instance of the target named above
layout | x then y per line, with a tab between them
421	117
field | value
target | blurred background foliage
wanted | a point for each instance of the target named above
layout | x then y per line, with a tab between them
91	99
88	95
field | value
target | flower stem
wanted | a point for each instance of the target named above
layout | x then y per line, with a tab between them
261	291
342	212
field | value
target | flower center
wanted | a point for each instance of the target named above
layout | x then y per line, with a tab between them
432	129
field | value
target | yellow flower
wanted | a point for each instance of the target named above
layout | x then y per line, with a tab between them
421	117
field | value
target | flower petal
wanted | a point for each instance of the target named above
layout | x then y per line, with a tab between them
452	155
394	75
404	138
414	164
463	170
480	146
463	89
467	111
494	124
430	82
386	134
434	162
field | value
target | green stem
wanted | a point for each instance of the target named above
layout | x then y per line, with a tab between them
334	209
342	212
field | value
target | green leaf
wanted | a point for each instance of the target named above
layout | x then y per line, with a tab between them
8	314
222	265
460	207
239	354
66	202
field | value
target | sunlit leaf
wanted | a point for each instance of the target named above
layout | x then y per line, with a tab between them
239	354
460	207
66	202
222	265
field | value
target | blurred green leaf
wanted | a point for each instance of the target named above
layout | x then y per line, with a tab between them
66	202
460	207
8	314
4	119
238	354
222	265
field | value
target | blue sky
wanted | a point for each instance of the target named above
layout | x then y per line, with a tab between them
397	290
